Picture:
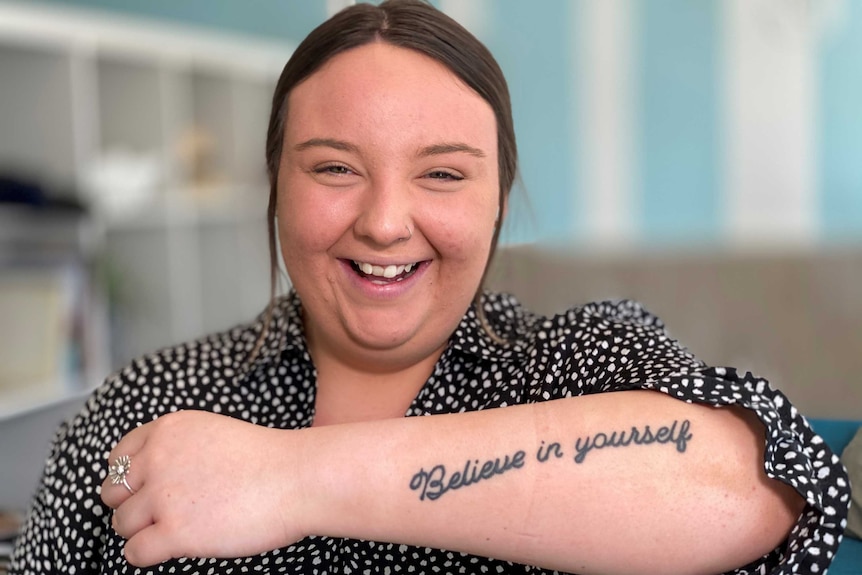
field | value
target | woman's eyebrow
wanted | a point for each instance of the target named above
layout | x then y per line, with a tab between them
325	143
448	148
432	150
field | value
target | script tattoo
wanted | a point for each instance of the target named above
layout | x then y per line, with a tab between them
677	433
435	483
545	451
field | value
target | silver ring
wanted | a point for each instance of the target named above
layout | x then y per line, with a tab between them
409	232
118	471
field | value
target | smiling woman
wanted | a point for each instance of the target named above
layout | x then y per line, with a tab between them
391	154
417	152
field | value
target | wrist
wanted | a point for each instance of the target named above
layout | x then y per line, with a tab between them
333	479
302	494
323	458
293	500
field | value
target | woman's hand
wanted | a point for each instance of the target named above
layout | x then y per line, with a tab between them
206	485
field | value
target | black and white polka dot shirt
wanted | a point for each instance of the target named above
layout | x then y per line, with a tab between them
592	349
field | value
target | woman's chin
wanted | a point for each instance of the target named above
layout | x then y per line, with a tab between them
382	338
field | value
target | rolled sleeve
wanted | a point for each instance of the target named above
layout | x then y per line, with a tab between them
618	346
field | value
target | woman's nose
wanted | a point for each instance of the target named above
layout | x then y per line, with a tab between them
385	216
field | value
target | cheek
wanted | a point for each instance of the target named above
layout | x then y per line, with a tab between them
301	239
304	244
464	234
307	224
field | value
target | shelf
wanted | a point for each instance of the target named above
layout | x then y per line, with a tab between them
27	232
26	24
22	404
191	206
161	130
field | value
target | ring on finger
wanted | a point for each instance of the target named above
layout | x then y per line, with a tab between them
119	470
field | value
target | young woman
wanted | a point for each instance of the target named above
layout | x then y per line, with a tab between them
587	442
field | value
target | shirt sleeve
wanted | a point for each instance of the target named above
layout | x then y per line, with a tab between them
617	346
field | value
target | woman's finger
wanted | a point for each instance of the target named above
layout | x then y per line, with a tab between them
131	443
125	478
132	516
148	546
125	473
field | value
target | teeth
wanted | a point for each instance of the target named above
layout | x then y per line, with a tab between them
387	272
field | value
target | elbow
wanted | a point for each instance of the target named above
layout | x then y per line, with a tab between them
768	516
753	513
772	506
741	525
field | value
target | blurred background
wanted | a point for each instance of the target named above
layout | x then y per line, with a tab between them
702	157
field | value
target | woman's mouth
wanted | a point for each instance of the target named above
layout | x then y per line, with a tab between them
383	275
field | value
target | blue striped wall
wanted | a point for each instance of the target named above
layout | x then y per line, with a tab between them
679	181
678	148
543	104
840	134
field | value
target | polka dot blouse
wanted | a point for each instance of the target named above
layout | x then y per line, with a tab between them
595	348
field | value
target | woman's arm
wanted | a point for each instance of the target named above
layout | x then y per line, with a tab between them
608	483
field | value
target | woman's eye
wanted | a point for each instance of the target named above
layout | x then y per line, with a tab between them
444	175
335	169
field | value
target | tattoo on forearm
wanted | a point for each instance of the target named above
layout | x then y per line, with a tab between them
433	484
645	436
545	451
436	482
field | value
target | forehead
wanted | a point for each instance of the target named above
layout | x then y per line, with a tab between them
378	87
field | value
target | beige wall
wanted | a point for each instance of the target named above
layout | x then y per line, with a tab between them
794	318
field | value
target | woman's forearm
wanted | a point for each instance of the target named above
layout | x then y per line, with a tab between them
604	483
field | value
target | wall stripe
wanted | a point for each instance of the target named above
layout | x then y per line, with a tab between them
471	14
840	133
678	135
769	106
335	6
533	48
605	121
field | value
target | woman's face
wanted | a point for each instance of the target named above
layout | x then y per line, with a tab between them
387	201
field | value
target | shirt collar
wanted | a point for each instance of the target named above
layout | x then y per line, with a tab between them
282	332
504	314
509	322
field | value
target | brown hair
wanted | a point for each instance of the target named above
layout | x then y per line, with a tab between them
412	24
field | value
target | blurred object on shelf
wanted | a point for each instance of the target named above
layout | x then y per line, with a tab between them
121	182
196	152
10	524
53	337
40	329
19	190
37	223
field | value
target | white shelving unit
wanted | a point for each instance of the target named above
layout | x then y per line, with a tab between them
162	128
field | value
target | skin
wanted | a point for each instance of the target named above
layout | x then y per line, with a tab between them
389	159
